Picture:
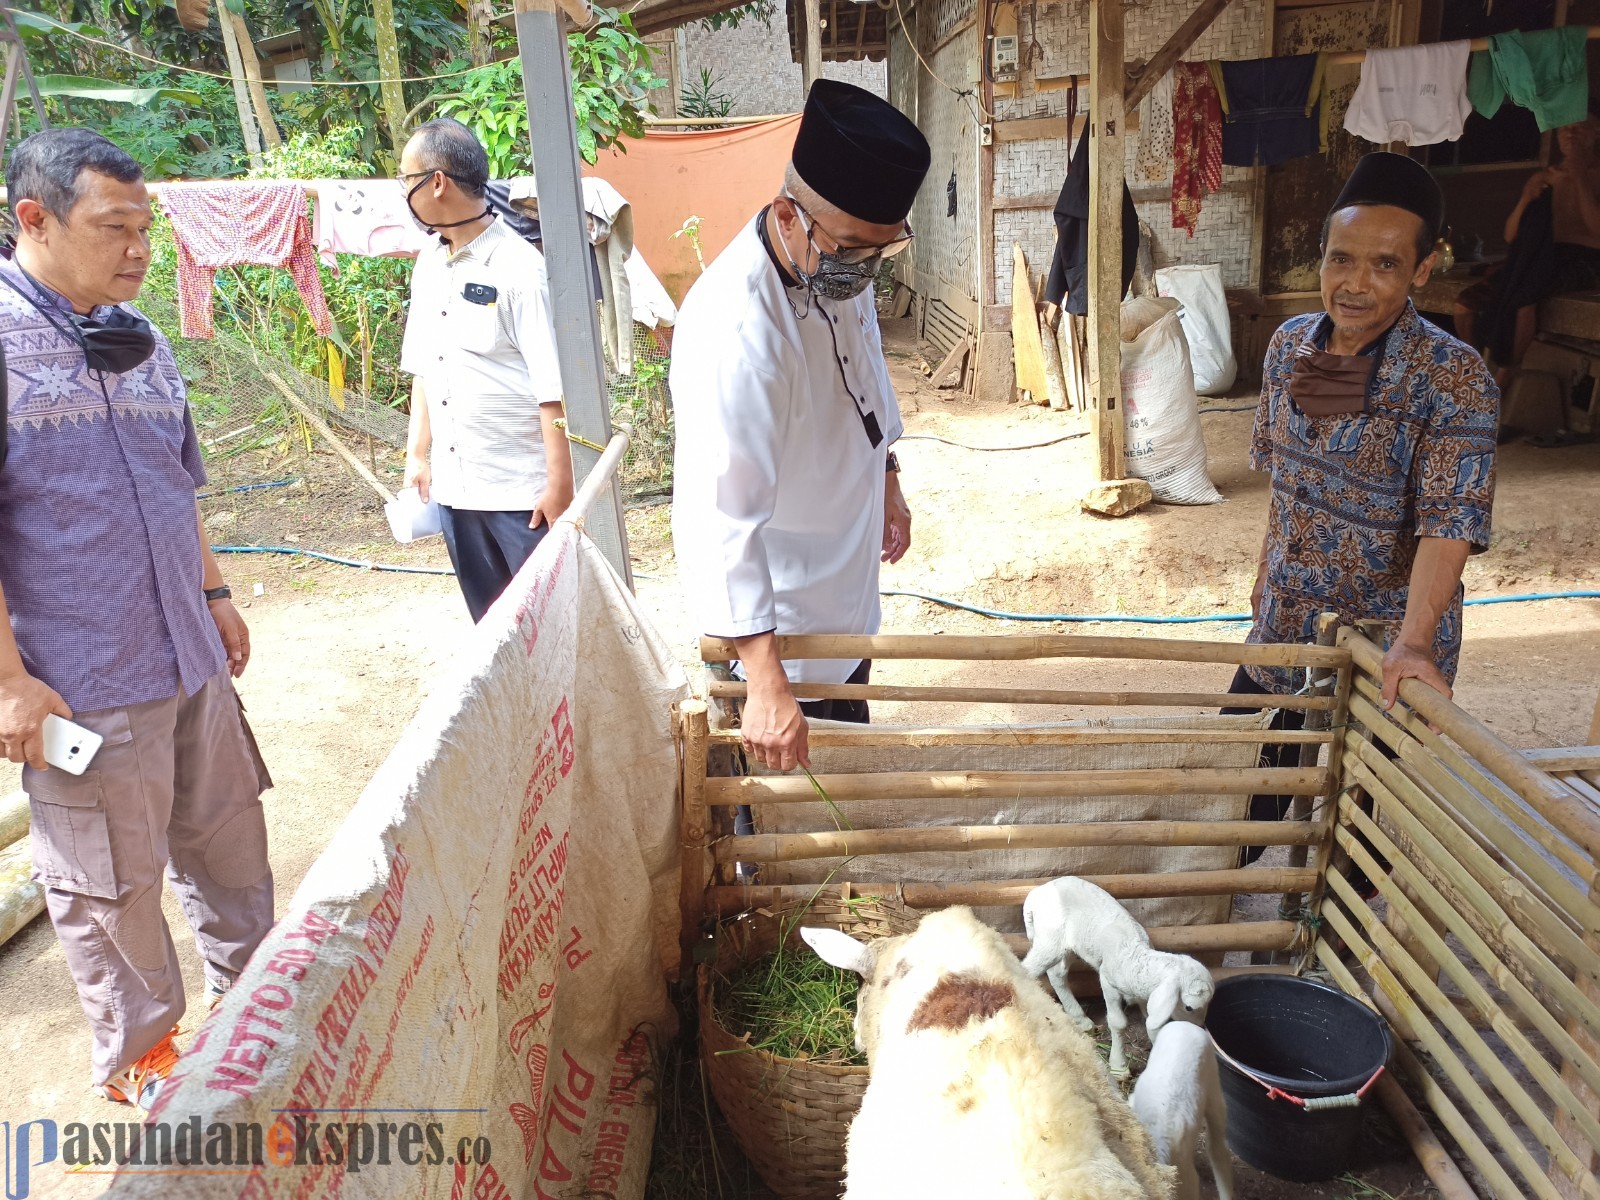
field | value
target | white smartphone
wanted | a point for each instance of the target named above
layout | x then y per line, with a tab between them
68	745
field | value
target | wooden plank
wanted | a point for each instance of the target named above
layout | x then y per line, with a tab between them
1107	168
1027	346
1017	647
1033	202
961	839
961	350
1163	60
1012	785
1594	726
1030	128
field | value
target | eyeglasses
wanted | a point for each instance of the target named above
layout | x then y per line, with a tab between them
848	252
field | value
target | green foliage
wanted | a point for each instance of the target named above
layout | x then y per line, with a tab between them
702	99
308	154
611	82
759	10
491	104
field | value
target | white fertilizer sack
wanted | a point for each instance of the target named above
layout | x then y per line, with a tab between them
1165	445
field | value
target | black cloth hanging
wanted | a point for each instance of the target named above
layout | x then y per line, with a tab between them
1523	279
1068	282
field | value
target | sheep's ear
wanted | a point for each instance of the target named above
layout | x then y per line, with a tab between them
839	950
1162	1005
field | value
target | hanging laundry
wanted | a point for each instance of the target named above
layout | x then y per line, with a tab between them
1196	142
1153	154
1068	282
611	233
1416	95
1546	71
1272	109
234	224
366	217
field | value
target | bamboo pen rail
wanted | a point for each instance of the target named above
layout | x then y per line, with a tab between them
712	792
1486	958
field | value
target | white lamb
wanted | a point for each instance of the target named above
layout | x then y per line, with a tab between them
1178	1094
979	1087
1071	918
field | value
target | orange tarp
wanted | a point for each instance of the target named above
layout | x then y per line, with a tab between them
722	176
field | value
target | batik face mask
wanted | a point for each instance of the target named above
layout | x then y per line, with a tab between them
843	273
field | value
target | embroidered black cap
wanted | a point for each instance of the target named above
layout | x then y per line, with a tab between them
860	152
1396	180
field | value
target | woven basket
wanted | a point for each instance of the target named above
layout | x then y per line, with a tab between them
194	15
789	1115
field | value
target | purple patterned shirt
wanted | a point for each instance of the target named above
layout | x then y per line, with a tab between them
99	548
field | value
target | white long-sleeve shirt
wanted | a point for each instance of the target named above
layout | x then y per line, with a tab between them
777	515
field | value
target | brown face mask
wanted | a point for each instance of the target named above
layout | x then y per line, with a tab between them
1331	385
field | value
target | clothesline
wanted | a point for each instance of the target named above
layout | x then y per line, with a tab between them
155	189
1351	57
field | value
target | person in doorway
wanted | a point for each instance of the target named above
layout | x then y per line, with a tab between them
1378	430
787	493
486	389
118	619
1554	239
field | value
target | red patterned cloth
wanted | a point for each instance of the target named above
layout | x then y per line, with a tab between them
233	224
1196	142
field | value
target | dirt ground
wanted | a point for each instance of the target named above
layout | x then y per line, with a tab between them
343	657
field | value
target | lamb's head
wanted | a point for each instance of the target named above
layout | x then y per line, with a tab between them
1183	993
952	970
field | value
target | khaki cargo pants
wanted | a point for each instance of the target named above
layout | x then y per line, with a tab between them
176	784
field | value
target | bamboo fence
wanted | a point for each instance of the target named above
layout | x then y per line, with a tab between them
1486	955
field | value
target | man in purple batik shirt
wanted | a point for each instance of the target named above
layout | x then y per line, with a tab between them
118	619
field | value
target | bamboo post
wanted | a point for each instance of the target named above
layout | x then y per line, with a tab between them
252	74
241	91
865	737
1106	178
21	899
693	729
1436	1162
1594	726
322	428
1290	905
13	818
810	14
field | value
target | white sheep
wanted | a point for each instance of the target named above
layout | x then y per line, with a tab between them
1178	1094
979	1087
1071	918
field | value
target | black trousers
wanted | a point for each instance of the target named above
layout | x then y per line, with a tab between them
1275	754
854	711
487	549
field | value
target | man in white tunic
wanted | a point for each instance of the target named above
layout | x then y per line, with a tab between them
787	495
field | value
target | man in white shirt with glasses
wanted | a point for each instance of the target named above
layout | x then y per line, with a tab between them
786	491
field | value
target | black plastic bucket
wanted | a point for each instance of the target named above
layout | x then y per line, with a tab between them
1306	1040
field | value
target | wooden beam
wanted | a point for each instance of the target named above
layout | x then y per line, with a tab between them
810	14
1106	178
1177	46
1594	726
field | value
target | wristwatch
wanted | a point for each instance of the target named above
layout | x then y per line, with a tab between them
218	593
892	463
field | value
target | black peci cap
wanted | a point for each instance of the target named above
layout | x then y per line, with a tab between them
860	153
1398	181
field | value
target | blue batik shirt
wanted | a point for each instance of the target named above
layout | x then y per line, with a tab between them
99	544
1351	494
